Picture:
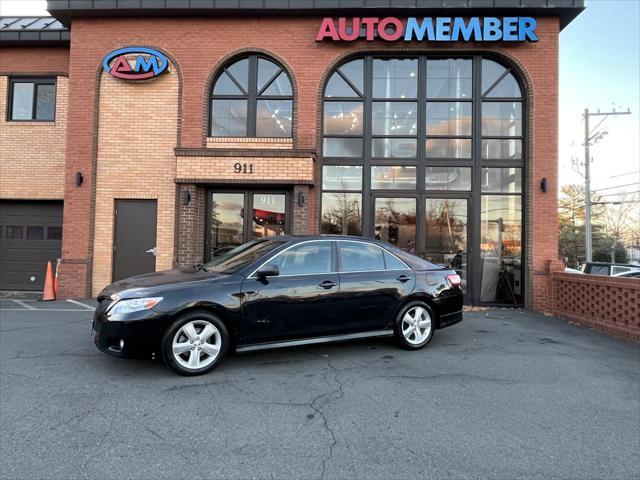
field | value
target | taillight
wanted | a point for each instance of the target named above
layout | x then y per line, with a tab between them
454	279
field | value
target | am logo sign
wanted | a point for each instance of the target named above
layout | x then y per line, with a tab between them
135	63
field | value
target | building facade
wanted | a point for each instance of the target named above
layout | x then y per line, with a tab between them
138	137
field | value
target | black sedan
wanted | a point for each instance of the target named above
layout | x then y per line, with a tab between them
277	292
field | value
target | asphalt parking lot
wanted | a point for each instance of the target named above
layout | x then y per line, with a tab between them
505	394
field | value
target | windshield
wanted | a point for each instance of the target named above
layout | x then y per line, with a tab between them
240	257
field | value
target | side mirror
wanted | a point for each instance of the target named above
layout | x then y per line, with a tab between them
271	270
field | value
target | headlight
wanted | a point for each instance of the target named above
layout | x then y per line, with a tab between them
134	305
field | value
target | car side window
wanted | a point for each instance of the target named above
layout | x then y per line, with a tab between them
358	257
305	259
599	270
615	270
393	263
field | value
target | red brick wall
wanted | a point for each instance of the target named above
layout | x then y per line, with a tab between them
608	304
198	45
34	60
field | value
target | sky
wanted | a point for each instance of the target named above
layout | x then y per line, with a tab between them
599	69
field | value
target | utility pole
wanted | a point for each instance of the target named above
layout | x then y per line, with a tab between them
588	137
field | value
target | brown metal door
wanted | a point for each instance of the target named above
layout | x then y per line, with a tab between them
134	249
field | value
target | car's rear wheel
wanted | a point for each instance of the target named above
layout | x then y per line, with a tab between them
195	343
414	326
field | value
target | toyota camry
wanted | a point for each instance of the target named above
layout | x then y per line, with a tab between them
277	292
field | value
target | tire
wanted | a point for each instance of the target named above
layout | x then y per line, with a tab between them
185	350
406	335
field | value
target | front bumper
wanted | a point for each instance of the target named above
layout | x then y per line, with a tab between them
135	335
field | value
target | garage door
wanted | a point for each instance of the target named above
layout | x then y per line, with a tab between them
30	235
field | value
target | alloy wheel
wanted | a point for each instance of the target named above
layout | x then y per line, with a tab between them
196	344
416	325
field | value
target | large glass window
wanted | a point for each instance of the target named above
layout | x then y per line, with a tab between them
413	145
33	99
252	97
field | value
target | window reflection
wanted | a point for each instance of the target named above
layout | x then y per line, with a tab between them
448	178
502	119
448	148
394	147
493	149
451	119
502	180
269	216
395	222
397	177
449	78
501	248
395	78
227	220
341	213
446	234
273	118
343	118
394	118
341	177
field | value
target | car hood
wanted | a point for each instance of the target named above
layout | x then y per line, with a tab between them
150	283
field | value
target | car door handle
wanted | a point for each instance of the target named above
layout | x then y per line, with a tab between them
403	278
327	284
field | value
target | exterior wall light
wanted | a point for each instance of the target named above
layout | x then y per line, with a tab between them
79	179
301	199
543	185
186	197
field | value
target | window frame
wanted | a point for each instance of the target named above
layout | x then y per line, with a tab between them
253	95
36	81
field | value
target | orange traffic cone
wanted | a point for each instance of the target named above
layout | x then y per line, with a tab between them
48	293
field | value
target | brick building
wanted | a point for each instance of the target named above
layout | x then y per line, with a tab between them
144	135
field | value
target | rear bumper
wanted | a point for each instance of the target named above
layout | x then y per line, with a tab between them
449	319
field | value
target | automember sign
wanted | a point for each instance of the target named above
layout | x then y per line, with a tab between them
135	63
437	29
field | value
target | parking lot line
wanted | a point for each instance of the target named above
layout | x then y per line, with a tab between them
23	304
75	302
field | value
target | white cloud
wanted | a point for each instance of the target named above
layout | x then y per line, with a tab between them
23	8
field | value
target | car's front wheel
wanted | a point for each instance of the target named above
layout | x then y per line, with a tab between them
414	326
195	343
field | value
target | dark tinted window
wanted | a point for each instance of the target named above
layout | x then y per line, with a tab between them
393	263
35	233
306	258
14	232
358	257
242	256
54	233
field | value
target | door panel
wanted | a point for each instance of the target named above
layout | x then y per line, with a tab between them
446	237
299	303
135	238
226	220
369	294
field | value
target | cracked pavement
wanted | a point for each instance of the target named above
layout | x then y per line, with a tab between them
505	394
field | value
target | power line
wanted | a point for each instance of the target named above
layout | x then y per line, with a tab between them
617	186
618	193
623	174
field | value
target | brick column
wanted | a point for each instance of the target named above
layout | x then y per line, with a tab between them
190	224
300	224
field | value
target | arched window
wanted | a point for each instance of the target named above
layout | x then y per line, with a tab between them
251	97
426	152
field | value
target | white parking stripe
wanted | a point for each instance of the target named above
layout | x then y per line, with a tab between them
22	304
81	304
32	310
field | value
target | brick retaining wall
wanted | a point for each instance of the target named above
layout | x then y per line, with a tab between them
608	304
